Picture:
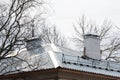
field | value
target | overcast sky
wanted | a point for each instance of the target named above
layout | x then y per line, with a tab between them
67	12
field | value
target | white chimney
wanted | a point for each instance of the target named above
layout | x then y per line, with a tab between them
92	46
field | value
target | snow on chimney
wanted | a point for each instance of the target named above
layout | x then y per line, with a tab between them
92	46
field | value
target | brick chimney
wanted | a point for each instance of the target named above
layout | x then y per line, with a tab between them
92	46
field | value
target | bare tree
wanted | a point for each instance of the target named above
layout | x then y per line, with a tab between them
15	20
50	34
109	43
16	24
47	32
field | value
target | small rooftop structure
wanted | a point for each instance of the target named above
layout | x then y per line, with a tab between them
32	43
92	46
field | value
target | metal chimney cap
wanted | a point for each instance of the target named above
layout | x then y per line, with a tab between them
32	39
91	35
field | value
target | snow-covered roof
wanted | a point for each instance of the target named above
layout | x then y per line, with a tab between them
55	56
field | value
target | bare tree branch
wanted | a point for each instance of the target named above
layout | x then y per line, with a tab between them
108	45
51	35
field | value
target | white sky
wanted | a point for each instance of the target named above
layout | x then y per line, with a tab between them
67	12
